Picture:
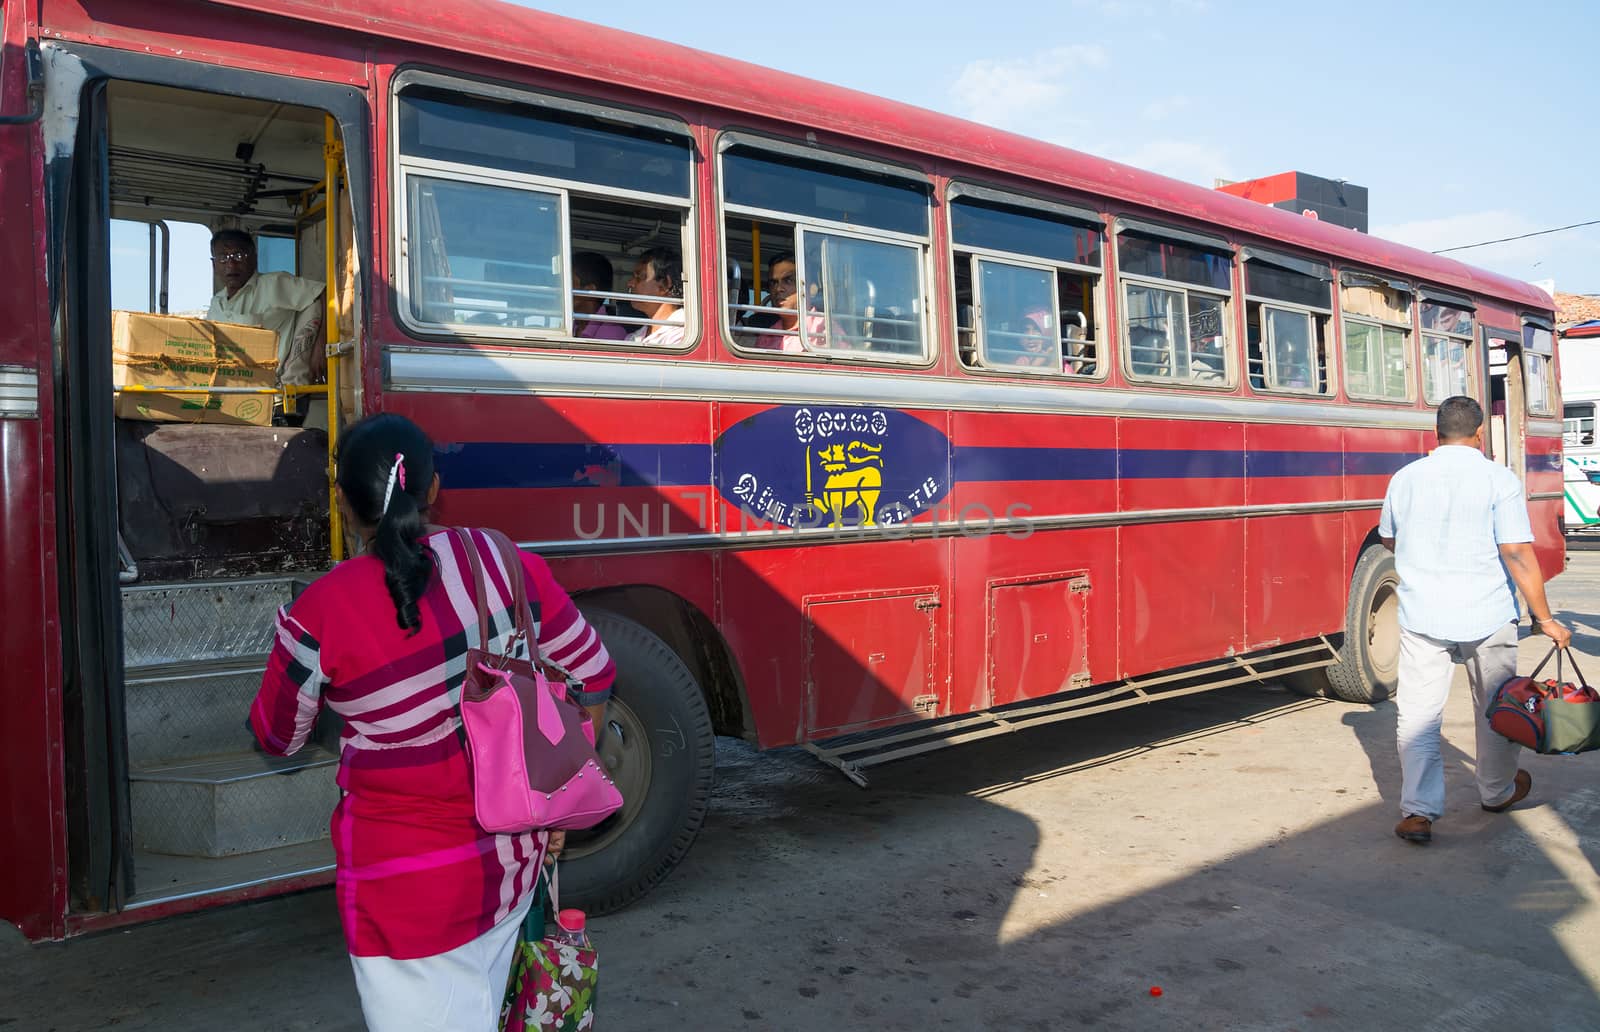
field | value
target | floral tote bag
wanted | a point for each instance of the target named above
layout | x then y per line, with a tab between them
552	984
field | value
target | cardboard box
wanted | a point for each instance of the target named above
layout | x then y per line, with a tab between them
174	351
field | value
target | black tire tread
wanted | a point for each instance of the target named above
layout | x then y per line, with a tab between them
1349	680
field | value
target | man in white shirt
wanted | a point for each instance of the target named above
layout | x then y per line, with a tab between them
289	306
659	274
1458	526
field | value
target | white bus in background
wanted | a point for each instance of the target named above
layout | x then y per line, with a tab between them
1580	396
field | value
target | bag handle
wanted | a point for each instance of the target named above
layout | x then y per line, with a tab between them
479	591
1558	652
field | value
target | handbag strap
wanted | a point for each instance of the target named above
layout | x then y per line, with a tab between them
511	558
519	590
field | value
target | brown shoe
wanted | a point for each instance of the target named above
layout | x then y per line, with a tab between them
1523	784
1415	828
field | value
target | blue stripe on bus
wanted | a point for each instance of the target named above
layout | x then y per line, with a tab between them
1544	463
501	464
493	464
978	464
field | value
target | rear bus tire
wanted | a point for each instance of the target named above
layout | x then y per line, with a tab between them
1369	655
660	749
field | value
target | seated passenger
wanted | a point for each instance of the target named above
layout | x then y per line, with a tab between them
591	271
659	274
1207	363
289	306
781	293
1035	345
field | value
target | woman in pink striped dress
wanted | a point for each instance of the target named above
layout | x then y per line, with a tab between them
431	904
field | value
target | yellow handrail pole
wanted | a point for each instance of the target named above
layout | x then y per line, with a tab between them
755	261
332	154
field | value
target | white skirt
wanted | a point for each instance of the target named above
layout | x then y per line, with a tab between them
457	991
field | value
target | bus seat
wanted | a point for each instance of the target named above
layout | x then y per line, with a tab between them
206	500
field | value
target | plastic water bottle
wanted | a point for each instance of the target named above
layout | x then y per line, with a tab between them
572	929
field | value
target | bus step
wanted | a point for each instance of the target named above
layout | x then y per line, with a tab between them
233	803
194	621
852	754
183	710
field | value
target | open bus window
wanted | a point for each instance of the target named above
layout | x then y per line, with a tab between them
1027	284
1288	302
824	259
1175	300
1377	337
524	213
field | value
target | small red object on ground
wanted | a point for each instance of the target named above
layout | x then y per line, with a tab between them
1155	990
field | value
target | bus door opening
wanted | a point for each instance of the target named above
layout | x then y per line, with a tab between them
226	289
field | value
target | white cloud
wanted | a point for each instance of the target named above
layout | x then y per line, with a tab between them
1181	159
1166	107
1012	94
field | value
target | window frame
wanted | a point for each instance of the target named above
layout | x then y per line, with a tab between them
1587	403
402	166
1248	254
1229	298
1545	357
1355	278
1060	210
728	139
800	277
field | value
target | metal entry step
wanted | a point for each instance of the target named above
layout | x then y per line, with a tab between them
200	621
184	710
233	803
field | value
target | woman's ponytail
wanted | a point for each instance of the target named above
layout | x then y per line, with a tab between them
386	472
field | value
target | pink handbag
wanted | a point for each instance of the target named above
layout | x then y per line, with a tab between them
530	747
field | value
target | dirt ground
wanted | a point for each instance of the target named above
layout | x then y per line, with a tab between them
1234	849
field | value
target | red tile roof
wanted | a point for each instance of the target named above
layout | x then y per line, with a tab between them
1576	308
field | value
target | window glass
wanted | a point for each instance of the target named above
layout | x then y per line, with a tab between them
1445	369
1577	424
1175	335
820	190
860	295
1291	346
1018	316
484	255
998	228
1446	319
542	141
1167	259
275	254
1394	363
1263	280
1538	367
1359	345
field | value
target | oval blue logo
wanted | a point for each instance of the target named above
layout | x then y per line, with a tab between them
832	466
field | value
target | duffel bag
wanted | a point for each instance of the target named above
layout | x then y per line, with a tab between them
1553	716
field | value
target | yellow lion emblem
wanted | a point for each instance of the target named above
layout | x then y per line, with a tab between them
853	476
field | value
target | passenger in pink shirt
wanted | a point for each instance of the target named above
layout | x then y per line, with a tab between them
591	271
659	274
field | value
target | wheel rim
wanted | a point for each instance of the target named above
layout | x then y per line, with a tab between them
625	752
1383	631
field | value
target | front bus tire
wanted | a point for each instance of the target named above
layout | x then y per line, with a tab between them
660	750
1369	655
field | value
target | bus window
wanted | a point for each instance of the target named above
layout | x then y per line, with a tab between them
1446	352
1027	284
1538	347
1288	302
1175	292
1377	337
501	192
1577	424
836	254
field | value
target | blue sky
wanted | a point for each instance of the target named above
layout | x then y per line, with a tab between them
1466	121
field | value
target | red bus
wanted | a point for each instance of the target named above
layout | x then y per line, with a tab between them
950	433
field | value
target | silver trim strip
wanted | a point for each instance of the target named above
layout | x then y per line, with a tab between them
1545	427
1019	527
1548	496
19	392
234	887
504	371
